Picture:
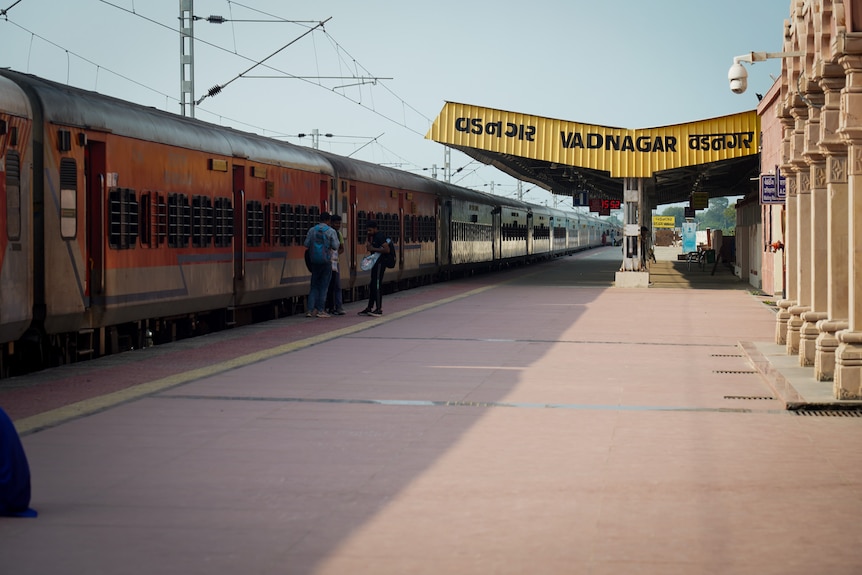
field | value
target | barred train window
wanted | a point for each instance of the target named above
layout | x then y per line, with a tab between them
153	219
123	218
13	196
223	222
254	223
68	198
361	222
300	219
203	224
285	224
179	221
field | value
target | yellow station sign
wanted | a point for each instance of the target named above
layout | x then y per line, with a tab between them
663	222
624	153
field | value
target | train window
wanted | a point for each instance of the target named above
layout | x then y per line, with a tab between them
270	224
408	228
146	214
285	221
68	198
285	213
396	229
386	226
153	220
361	221
179	221
223	222
426	234
254	223
161	213
299	227
123	218
203	224
13	195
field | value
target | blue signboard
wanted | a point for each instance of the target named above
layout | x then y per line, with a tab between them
689	237
770	193
580	199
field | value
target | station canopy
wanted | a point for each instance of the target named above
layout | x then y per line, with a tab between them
719	156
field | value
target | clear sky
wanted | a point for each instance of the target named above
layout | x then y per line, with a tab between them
382	70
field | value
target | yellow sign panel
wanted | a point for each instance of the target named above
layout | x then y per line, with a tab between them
664	222
623	152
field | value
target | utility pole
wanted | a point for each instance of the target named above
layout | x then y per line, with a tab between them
187	58
447	164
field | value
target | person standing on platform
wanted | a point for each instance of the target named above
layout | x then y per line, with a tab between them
321	240
334	301
376	244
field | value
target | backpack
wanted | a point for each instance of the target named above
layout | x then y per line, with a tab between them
319	251
389	260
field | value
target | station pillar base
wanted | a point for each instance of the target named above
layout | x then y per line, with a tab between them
632	279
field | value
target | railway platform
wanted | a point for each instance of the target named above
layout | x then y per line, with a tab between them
536	420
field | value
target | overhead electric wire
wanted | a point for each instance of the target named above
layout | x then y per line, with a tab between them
319	24
5	10
287	74
218	88
87	60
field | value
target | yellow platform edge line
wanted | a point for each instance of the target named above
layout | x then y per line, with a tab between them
92	405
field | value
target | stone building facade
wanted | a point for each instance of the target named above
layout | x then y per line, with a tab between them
819	108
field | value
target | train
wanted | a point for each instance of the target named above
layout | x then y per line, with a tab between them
123	226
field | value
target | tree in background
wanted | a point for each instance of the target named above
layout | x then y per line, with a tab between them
720	216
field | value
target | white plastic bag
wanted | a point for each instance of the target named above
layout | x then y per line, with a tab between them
369	261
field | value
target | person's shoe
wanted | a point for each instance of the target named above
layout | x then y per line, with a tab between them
310	313
338	312
376	312
323	314
366	311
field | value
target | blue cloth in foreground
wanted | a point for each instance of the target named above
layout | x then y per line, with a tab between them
14	472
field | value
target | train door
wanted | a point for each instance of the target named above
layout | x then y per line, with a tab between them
444	233
399	240
239	224
496	233
350	232
95	174
325	200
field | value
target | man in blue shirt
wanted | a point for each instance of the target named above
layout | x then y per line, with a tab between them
321	240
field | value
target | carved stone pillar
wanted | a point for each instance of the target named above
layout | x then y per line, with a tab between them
791	292
848	356
815	229
827	344
782	317
832	82
800	203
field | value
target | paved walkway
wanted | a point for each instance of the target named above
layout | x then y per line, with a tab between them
532	421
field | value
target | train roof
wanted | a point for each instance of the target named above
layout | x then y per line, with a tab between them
75	107
361	171
14	100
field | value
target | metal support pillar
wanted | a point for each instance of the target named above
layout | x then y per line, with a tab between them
187	58
633	272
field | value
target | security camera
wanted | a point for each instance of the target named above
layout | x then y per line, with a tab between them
738	77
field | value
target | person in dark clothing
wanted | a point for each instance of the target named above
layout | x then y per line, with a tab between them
14	472
334	298
376	244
